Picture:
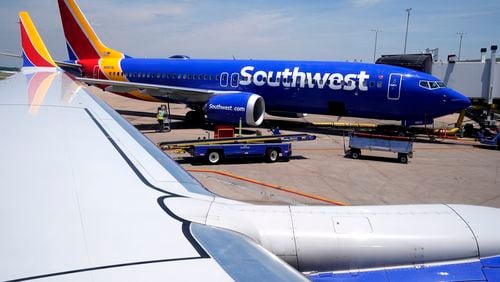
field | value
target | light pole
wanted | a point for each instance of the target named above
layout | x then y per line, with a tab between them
407	22
461	34
375	48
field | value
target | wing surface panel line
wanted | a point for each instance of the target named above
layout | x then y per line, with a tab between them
190	183
101	268
185	224
469	227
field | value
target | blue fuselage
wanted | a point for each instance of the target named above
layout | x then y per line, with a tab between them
334	88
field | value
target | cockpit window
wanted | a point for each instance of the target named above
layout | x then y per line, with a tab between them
432	84
424	84
441	84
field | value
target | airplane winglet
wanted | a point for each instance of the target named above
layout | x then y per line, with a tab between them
35	54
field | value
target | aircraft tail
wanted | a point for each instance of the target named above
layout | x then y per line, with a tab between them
81	40
35	54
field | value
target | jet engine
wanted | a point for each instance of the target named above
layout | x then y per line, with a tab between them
230	108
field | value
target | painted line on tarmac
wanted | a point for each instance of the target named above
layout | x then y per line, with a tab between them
288	190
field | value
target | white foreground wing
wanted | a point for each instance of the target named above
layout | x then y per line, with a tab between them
82	197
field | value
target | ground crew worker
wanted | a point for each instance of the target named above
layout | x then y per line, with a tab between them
160	116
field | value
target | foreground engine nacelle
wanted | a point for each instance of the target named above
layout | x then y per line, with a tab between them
230	108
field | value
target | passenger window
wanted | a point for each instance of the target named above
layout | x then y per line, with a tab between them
217	77
372	83
184	76
379	84
206	77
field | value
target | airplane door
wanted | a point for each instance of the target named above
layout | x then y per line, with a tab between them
224	79
96	72
394	87
235	79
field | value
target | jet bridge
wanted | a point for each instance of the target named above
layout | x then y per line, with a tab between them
477	79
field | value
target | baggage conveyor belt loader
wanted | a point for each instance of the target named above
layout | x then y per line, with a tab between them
215	150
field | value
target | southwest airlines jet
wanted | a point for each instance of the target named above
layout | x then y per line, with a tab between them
94	200
230	90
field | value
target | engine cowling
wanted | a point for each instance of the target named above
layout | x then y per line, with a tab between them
230	108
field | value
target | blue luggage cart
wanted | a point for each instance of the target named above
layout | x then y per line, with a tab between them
358	141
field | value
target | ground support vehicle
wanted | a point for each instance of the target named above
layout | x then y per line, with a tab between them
213	154
492	140
358	141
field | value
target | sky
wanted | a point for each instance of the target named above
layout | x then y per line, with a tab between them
334	30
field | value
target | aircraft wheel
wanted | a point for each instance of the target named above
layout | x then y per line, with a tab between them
272	155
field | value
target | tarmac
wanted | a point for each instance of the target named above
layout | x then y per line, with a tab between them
450	171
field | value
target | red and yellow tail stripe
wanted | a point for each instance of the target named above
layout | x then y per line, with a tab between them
82	41
35	54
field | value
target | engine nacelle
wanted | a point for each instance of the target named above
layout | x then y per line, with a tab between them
230	108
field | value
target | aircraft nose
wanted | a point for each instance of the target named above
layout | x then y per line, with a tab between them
457	101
